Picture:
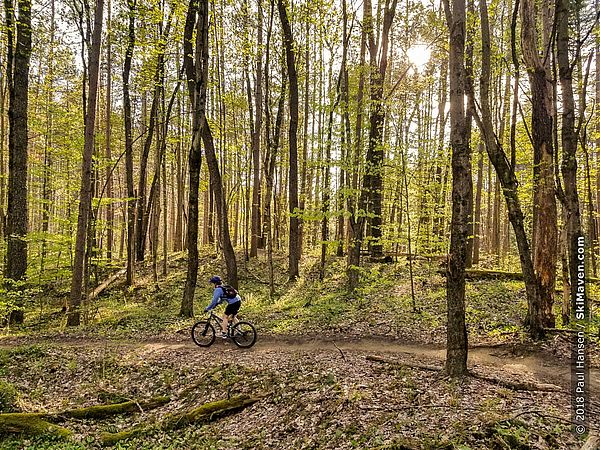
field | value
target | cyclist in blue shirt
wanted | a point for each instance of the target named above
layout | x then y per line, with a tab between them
219	296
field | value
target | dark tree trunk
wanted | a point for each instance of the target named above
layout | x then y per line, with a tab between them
294	238
196	69
256	228
18	85
504	171
375	154
85	194
221	205
129	142
462	196
110	214
477	222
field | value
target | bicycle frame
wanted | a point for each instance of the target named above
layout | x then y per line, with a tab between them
219	322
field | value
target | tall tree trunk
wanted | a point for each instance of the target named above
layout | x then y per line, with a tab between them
86	182
196	69
48	141
18	85
477	222
143	210
356	224
375	154
569	140
505	172
129	141
256	228
110	214
294	237
216	182
545	232
462	195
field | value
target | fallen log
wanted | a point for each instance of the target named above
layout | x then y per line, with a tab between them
518	386
484	274
32	424
101	411
106	283
40	423
515	386
401	364
206	413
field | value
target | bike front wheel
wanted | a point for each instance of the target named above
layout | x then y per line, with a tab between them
203	333
243	334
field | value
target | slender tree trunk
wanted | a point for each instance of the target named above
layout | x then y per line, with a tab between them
129	142
216	182
505	172
256	228
110	214
477	231
569	139
86	182
48	160
294	237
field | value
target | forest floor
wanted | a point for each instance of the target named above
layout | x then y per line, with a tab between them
352	373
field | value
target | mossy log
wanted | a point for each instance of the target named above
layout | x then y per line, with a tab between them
206	413
101	411
32	424
40	423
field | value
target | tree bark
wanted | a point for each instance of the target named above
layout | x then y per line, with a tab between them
129	141
110	214
545	232
294	237
462	196
86	182
18	84
196	70
569	141
256	191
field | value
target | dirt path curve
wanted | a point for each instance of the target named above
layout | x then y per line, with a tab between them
518	360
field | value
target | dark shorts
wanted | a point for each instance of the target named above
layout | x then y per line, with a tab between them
233	308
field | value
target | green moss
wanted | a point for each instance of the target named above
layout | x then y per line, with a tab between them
108	439
8	397
100	411
31	424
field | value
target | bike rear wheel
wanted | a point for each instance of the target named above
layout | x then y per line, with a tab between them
203	333
243	334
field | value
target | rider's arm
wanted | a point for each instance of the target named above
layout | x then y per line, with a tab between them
215	300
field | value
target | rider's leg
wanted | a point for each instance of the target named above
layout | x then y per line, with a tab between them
224	323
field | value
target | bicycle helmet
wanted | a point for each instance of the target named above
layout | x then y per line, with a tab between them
215	279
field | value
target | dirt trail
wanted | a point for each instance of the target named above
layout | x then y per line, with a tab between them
517	360
510	359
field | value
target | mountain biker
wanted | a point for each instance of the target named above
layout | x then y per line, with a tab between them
219	296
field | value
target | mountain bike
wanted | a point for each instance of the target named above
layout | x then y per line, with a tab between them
242	333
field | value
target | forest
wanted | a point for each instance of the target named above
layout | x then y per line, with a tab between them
405	194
